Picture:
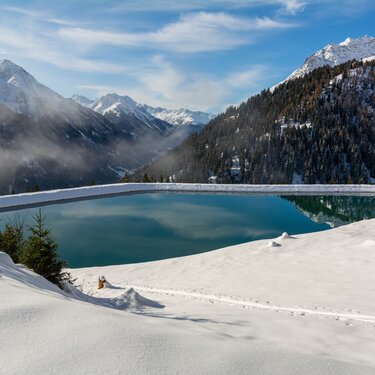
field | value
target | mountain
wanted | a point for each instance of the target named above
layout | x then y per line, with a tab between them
48	141
115	105
20	92
82	100
318	128
336	54
133	117
181	116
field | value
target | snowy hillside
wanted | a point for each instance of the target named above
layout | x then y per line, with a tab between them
336	54
302	307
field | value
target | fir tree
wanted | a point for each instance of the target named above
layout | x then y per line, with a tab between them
11	239
40	252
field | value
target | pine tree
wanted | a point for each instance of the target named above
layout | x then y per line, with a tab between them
11	240
40	252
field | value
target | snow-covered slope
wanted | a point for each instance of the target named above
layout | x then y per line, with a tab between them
303	307
22	93
181	116
336	54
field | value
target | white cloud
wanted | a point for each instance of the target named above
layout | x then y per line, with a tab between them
248	78
193	32
292	6
285	6
34	47
162	84
39	15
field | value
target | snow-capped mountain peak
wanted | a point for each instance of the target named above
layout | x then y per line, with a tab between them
336	54
22	93
114	104
82	100
182	116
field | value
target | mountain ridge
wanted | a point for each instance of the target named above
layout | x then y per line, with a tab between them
181	116
361	48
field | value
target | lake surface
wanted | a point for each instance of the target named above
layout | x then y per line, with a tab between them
146	227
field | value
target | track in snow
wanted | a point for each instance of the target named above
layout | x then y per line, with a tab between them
262	306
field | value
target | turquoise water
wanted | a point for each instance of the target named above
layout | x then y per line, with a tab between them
146	227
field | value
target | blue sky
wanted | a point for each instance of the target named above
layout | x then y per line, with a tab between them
203	55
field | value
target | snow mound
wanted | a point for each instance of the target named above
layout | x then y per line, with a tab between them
285	235
369	243
132	300
6	260
273	244
128	300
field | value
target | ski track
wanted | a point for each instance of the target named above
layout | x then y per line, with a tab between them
343	316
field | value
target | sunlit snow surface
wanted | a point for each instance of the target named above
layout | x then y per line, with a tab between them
302	307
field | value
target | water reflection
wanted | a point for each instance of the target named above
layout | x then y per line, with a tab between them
334	210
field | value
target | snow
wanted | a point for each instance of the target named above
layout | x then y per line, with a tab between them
59	195
22	93
113	103
302	307
82	100
180	116
335	54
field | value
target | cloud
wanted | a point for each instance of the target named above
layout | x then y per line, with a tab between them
292	6
284	6
248	78
162	84
38	48
193	32
39	15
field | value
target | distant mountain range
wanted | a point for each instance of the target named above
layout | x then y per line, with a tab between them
117	104
47	141
317	126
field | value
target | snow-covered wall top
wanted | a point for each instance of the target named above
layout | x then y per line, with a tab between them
27	199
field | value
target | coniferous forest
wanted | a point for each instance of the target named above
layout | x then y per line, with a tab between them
316	129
